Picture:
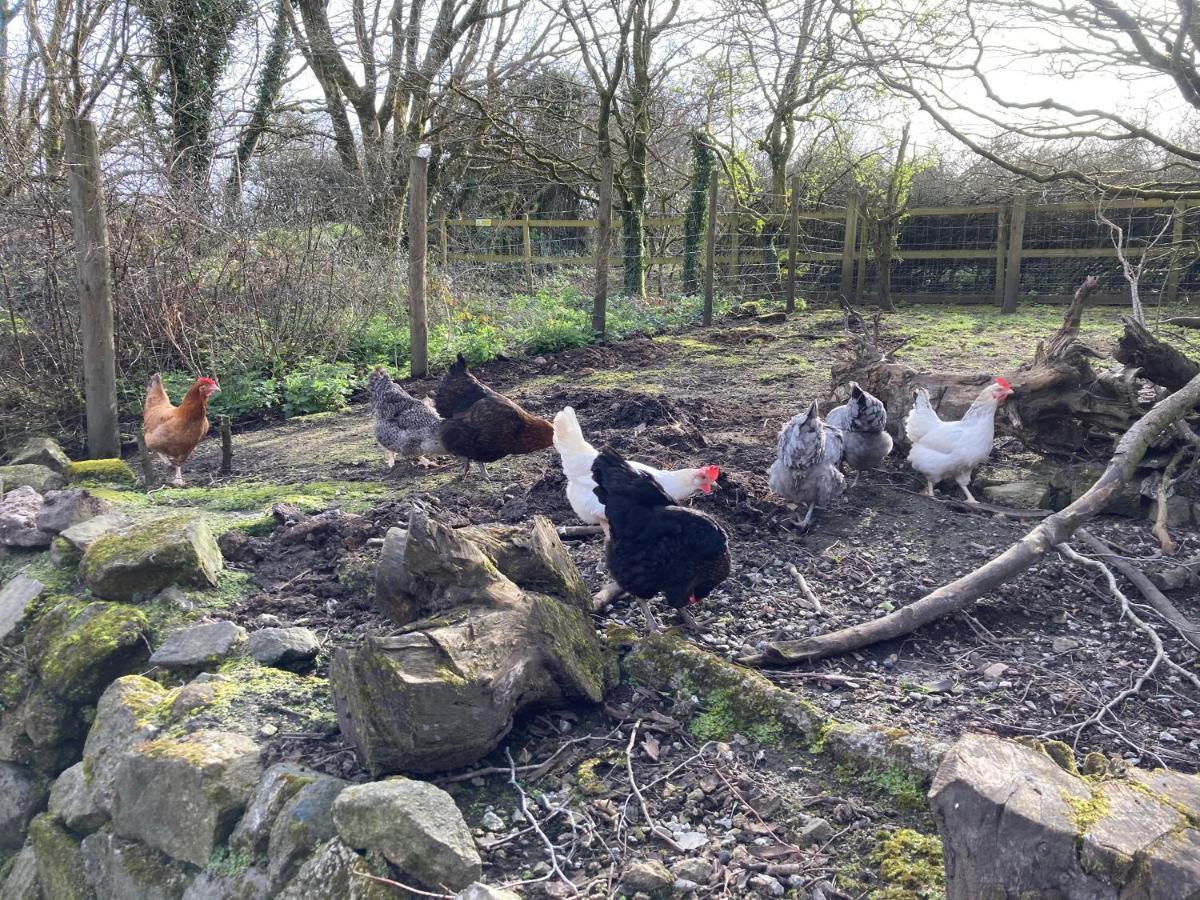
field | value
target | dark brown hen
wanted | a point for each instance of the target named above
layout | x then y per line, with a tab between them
481	425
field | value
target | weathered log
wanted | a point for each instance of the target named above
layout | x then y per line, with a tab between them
1158	360
964	591
502	628
1183	321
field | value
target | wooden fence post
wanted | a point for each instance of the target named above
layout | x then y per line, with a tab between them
735	240
1179	210
1016	237
710	250
1001	253
793	243
418	197
226	446
603	244
94	285
849	240
527	252
860	273
443	245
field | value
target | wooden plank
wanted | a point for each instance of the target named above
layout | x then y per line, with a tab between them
848	241
1078	252
1016	237
93	278
418	212
985	209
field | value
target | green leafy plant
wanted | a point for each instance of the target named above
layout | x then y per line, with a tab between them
317	386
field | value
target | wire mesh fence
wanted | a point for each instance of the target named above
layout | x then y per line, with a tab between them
970	254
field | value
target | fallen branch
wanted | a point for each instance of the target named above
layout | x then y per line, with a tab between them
1158	360
579	532
1163	495
809	596
963	592
529	817
1162	605
1183	321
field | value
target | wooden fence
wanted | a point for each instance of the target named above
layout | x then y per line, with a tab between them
994	254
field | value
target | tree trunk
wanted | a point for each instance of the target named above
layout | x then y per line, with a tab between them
1159	361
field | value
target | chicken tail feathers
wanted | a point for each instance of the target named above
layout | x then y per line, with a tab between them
568	436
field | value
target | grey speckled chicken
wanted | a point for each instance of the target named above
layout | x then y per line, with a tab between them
862	420
403	425
806	462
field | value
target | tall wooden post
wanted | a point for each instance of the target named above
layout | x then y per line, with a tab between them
1179	210
94	285
735	241
1001	252
418	198
443	245
603	245
849	240
226	446
527	253
710	250
1016	237
793	243
860	273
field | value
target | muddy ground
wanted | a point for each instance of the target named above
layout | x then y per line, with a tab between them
719	396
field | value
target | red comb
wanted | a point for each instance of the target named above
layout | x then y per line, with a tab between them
713	472
212	381
1003	382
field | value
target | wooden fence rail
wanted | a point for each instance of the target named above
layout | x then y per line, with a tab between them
1008	251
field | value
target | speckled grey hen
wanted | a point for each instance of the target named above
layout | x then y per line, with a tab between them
862	420
403	425
806	462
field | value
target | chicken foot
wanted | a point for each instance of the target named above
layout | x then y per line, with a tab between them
962	481
689	620
651	623
424	462
389	458
606	596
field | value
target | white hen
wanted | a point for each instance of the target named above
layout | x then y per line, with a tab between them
577	457
942	450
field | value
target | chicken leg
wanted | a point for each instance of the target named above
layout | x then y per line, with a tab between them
928	492
606	596
177	480
689	620
484	472
651	624
389	458
804	522
424	462
962	481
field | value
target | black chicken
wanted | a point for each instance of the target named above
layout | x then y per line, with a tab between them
654	546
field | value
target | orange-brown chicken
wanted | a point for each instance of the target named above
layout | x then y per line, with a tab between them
174	431
481	425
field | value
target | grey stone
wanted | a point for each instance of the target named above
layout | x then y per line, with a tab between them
1014	823
83	534
199	645
21	797
18	519
693	869
16	595
415	825
304	824
278	785
479	891
74	804
127	870
125	716
62	509
183	796
330	872
40	478
1019	494
249	884
22	881
138	561
647	875
59	861
815	832
42	451
284	648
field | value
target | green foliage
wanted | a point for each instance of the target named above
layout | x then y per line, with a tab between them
227	863
316	386
245	395
380	340
727	715
696	218
555	318
475	335
905	789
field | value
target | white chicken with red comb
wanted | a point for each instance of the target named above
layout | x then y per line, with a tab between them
952	450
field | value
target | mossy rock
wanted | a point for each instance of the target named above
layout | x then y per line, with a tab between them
910	866
103	471
40	478
77	648
141	560
59	860
41	451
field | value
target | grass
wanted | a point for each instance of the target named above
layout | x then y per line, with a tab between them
247	496
905	789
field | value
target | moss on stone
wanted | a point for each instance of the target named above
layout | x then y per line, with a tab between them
589	665
251	695
102	471
77	648
1086	811
143	559
591	784
245	496
905	789
59	860
910	865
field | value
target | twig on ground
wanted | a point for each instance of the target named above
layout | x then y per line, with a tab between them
813	602
401	885
657	830
1163	496
579	532
529	817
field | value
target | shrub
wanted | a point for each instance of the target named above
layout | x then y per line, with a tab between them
317	386
474	335
245	395
555	318
380	340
